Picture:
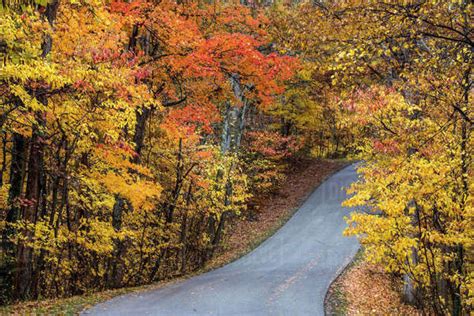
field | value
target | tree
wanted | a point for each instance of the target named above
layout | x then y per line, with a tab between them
402	72
112	118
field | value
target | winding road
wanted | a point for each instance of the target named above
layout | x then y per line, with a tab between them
288	274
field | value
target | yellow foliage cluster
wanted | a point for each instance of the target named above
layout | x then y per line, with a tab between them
393	80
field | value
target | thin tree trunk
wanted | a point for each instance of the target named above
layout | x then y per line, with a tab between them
184	228
4	158
23	279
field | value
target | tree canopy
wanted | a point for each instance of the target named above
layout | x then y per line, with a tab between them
133	132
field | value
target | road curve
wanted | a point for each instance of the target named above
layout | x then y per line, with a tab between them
288	274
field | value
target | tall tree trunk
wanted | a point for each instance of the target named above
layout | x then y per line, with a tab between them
16	180
34	185
465	159
184	228
115	275
4	158
17	167
116	271
23	279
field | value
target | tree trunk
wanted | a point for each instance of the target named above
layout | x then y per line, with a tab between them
17	166
34	184
139	136
184	228
16	181
234	118
23	279
116	271
4	158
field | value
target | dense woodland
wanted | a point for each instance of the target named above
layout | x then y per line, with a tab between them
134	132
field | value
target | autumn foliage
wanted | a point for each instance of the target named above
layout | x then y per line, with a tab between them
113	173
134	132
394	81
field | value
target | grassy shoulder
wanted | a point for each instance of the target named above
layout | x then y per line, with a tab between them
366	289
271	211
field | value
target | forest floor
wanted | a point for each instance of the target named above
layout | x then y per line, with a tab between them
366	289
270	212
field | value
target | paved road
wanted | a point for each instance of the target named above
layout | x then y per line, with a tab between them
288	274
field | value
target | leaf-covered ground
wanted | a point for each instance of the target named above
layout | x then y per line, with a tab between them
366	289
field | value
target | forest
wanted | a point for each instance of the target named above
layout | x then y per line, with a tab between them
134	132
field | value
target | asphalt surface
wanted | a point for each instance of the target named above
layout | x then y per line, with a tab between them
288	274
